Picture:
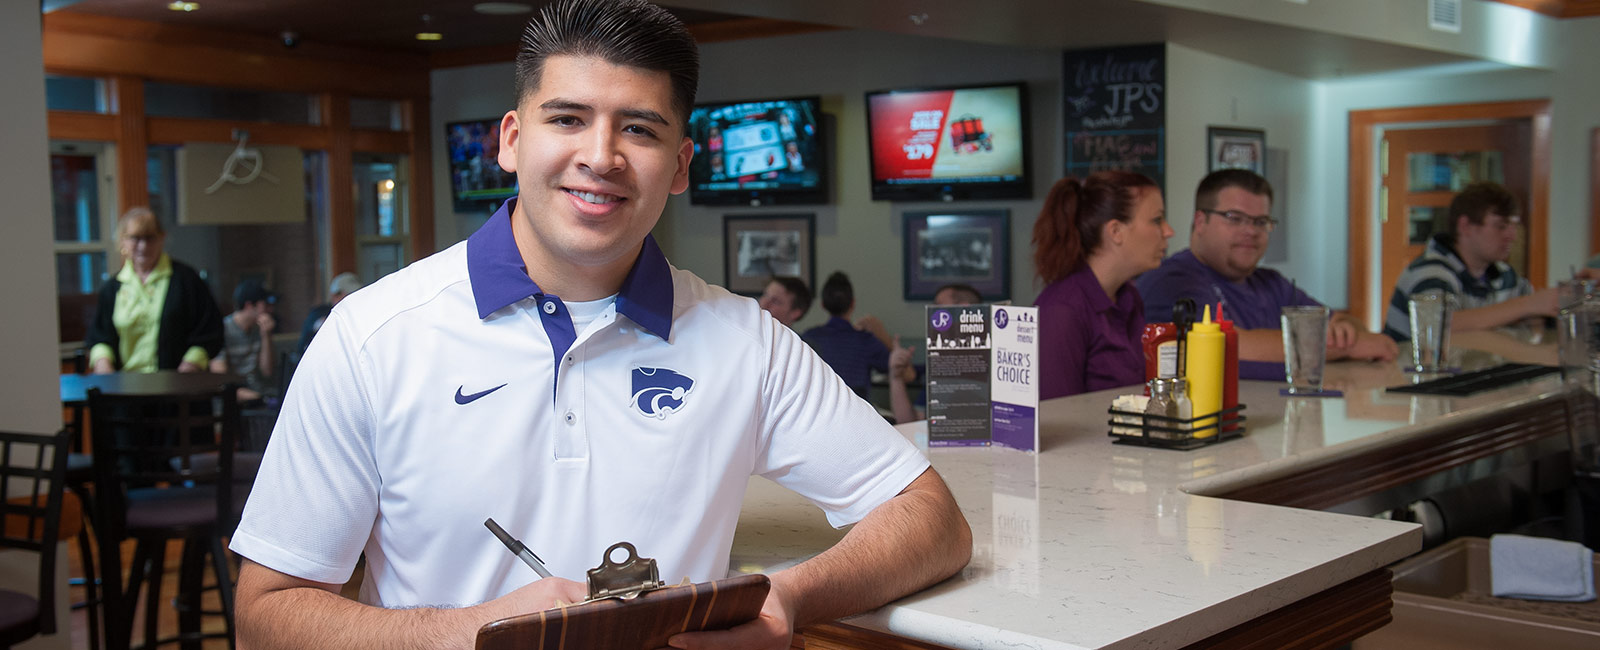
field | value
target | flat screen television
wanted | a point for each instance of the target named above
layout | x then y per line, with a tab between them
953	143
757	152
477	184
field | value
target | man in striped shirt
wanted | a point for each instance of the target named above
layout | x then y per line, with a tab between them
1468	260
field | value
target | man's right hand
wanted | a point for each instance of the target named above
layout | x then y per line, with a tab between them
536	596
103	367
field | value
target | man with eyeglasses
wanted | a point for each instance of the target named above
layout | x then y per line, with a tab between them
1232	220
1468	260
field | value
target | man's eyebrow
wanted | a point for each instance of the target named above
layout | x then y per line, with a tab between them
564	105
645	114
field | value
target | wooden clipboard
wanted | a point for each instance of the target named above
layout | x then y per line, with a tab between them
642	623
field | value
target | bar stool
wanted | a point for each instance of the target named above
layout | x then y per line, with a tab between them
164	471
27	524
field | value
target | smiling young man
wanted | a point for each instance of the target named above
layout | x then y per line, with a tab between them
1232	220
554	372
1468	260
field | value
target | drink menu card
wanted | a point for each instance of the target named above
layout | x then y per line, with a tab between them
983	376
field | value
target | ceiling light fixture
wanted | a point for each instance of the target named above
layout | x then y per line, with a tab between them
427	33
502	8
180	5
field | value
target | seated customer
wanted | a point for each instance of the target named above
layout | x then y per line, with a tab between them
343	285
1232	219
852	353
1092	237
1468	260
247	334
156	313
786	298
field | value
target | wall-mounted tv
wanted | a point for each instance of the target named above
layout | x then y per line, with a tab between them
477	184
758	152
953	143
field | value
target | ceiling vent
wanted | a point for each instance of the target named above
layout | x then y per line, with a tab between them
1445	15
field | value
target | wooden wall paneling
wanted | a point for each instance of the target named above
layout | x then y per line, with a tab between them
1558	8
1538	210
419	122
1364	123
215	65
179	130
132	142
341	176
73	125
144	30
1360	215
380	141
1594	193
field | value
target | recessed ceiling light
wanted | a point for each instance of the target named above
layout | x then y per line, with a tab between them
179	5
502	8
430	36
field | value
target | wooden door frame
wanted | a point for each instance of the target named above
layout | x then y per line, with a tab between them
1594	192
1362	220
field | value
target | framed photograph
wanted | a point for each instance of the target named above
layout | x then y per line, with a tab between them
971	247
756	247
1234	148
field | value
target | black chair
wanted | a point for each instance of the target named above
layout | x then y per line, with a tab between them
164	468
32	469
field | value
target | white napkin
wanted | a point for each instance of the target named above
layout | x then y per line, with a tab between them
1535	568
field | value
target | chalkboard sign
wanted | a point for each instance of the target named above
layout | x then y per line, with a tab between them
1115	100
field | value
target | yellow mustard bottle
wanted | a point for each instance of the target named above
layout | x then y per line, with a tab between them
1204	359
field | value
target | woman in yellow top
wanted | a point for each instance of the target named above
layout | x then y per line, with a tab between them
156	314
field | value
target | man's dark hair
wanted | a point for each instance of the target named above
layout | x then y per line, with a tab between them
968	293
1476	201
1205	197
837	294
799	293
629	33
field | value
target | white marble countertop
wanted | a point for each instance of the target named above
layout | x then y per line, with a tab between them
1090	544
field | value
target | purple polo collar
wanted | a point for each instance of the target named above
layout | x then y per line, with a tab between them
499	278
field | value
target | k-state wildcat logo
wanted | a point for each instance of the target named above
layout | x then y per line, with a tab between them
659	391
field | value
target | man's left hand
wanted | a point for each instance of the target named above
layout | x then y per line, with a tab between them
772	630
187	366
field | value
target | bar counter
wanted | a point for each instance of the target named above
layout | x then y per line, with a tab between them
1090	544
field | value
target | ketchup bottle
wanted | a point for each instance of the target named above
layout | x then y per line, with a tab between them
1230	365
1160	350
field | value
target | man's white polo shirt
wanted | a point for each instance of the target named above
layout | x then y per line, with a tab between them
455	390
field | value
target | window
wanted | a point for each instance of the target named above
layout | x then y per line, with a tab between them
80	191
63	93
376	114
382	214
179	100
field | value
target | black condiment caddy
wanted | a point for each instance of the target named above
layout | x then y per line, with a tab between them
1176	433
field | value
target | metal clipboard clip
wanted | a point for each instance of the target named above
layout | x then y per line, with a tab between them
625	580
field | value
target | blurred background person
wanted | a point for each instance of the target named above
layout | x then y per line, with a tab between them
343	285
157	313
852	353
247	341
1090	240
786	298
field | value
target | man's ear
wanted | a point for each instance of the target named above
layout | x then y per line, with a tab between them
510	136
680	181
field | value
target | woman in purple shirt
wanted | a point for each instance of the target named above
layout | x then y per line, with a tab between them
1091	239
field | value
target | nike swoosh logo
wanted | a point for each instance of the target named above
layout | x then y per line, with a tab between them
468	399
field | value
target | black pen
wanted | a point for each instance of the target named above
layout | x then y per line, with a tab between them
517	548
